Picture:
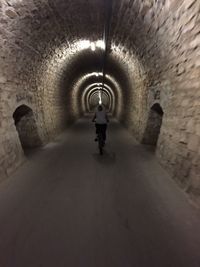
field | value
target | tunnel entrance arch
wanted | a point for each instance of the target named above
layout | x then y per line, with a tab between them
27	129
153	126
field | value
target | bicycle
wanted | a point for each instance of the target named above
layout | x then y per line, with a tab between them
100	139
100	142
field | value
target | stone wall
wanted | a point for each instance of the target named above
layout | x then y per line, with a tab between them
44	54
37	41
164	35
154	57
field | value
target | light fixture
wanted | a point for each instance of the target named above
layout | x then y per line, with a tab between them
101	44
97	74
86	44
93	47
100	98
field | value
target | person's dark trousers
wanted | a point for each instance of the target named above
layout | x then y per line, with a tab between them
101	128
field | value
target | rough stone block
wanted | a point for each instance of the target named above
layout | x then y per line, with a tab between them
193	143
190	128
11	13
197	129
3	79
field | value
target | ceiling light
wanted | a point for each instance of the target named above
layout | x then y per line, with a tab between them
101	44
93	47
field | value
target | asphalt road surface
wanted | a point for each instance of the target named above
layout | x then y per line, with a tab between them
67	206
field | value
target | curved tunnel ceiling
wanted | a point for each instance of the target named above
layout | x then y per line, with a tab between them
50	48
62	50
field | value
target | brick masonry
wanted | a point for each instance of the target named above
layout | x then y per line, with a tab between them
164	37
154	58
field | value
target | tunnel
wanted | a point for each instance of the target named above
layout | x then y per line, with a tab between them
60	59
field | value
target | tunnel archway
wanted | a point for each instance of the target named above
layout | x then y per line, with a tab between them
152	47
95	87
153	126
27	128
81	91
94	99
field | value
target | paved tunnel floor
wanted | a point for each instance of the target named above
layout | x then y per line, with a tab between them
69	207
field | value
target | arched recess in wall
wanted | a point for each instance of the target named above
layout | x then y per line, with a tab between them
27	129
153	125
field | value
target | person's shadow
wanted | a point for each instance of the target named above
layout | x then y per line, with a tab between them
108	158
